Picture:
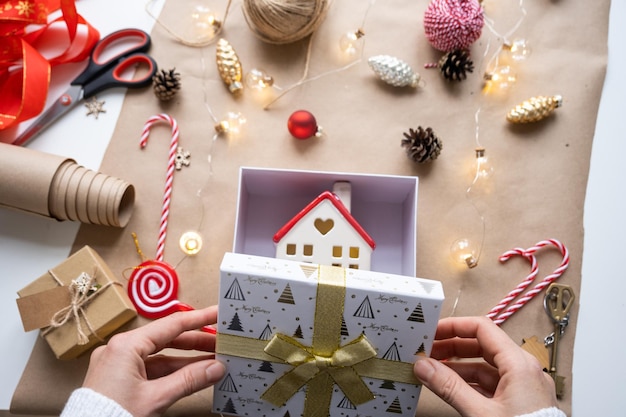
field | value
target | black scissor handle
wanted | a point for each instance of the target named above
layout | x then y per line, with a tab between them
97	65
112	77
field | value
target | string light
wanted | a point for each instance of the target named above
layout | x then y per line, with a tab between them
231	125
484	168
351	43
467	251
464	252
257	79
204	25
500	80
198	27
518	49
190	243
500	77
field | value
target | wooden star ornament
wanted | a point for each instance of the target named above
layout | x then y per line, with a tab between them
95	107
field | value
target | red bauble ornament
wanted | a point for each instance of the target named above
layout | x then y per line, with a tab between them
302	125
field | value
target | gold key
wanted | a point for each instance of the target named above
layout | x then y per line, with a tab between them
557	302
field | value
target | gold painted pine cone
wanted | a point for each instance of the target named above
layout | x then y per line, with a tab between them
229	66
534	109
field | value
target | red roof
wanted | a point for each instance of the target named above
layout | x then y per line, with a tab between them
332	197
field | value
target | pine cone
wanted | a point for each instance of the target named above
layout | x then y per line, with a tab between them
422	145
534	109
166	84
455	65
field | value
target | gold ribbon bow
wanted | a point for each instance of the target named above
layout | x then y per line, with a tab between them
315	370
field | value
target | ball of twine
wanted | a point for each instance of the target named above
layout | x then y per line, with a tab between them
453	24
284	21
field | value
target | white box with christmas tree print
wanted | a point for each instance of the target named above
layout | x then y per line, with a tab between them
301	339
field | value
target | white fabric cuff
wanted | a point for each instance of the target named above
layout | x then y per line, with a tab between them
546	412
85	402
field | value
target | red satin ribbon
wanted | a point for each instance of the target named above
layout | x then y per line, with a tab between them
25	25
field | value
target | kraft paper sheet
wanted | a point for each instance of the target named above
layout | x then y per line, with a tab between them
537	193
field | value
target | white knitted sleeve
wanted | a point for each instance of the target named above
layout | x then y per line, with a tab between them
546	412
85	402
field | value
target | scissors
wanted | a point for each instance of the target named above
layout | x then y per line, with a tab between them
100	74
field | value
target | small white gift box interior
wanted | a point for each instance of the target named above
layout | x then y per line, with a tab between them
384	205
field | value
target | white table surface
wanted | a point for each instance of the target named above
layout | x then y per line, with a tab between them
29	245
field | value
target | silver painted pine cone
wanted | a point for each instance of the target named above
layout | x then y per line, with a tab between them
394	71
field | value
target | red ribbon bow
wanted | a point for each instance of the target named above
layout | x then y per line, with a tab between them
26	27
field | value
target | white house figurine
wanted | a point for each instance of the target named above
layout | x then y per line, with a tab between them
325	232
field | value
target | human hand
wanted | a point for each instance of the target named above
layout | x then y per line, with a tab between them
508	382
128	371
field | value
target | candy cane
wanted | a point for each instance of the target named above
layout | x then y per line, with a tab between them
540	286
171	162
534	270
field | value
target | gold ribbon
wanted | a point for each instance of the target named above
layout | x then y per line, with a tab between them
326	362
309	367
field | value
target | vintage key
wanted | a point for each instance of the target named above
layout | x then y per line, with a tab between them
557	302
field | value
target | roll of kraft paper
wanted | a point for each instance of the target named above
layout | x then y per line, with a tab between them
57	187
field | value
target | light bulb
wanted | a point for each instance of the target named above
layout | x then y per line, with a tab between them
464	252
204	25
518	49
350	43
190	243
232	125
258	79
500	80
484	168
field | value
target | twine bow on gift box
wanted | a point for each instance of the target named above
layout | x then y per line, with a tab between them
82	290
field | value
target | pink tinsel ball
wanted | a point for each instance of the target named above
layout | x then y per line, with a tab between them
453	24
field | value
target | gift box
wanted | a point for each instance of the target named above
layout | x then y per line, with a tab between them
384	205
301	339
76	304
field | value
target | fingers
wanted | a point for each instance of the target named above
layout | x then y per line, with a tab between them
486	340
158	366
456	348
482	376
193	340
449	386
156	335
186	381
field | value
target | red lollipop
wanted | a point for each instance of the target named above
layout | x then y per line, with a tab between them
153	290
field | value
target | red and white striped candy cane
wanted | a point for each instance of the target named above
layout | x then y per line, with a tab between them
534	270
165	211
541	285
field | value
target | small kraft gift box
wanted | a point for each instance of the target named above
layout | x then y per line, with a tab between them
301	339
75	304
